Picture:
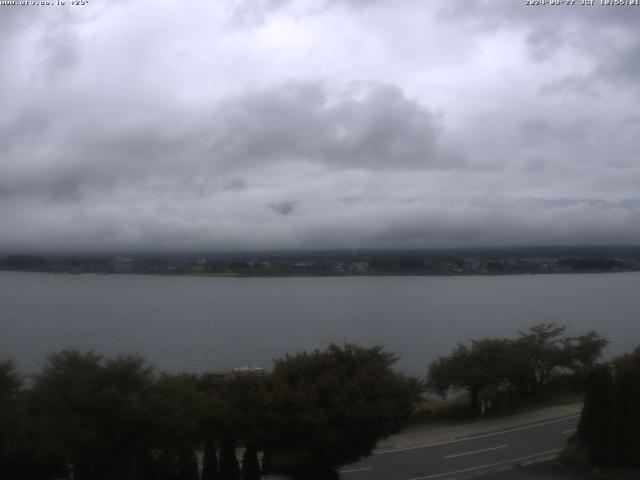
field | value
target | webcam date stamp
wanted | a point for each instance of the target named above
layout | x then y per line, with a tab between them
583	3
42	3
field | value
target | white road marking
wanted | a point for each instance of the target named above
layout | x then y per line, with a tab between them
480	467
477	451
447	442
364	469
571	430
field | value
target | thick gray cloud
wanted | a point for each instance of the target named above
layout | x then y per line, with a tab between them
368	127
606	36
623	68
362	127
318	124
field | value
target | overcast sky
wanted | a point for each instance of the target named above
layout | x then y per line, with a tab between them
128	124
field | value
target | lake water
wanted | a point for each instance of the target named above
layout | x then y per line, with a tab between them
198	323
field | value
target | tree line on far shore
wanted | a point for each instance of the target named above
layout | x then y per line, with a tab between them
118	419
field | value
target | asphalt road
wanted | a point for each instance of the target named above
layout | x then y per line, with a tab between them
466	457
539	471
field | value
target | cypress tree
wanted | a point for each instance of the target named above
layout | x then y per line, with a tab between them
166	466
187	465
585	425
229	468
624	444
210	460
598	435
610	422
250	464
633	423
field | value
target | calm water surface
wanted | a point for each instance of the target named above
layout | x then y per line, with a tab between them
195	323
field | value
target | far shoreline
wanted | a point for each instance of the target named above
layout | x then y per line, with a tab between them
324	275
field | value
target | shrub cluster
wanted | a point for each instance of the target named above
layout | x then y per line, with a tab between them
116	419
499	372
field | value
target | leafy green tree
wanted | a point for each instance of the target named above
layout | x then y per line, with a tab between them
542	345
520	367
93	414
10	382
214	407
328	408
243	400
20	457
549	352
177	408
488	363
10	389
584	352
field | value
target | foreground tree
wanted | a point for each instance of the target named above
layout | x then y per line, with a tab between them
229	467
609	428
93	414
486	364
187	465
250	464
522	367
10	389
176	407
209	460
104	419
548	351
20	453
329	408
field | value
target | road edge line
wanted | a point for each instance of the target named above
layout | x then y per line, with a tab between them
474	437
